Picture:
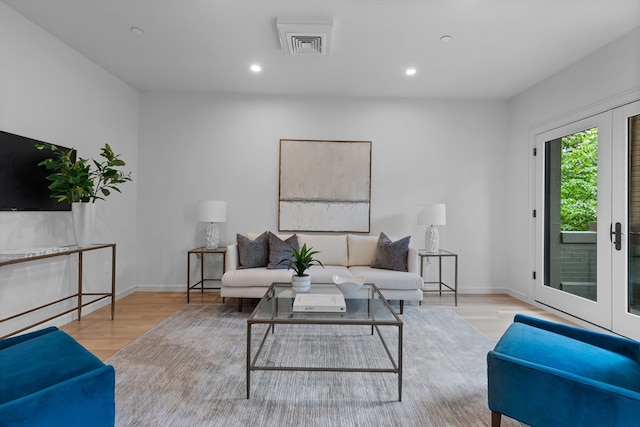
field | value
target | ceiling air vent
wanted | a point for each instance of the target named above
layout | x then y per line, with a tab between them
305	36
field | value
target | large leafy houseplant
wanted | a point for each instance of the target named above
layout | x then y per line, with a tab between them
301	260
83	180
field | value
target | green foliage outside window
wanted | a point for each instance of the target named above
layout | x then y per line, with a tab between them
579	190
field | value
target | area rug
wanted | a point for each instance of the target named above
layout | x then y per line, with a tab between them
190	371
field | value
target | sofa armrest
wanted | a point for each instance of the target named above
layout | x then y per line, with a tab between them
496	362
613	343
232	259
413	262
539	395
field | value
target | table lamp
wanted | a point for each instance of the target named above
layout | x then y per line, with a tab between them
212	211
432	214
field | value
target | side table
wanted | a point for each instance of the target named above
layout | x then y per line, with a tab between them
200	253
440	255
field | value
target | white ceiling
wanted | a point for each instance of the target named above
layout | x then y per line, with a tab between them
499	47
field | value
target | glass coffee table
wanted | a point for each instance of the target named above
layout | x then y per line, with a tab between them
366	308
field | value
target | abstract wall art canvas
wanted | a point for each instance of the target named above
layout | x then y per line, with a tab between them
325	185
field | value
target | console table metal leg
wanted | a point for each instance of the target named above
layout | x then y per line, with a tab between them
113	282
248	359
188	275
440	274
79	285
455	282
202	274
400	363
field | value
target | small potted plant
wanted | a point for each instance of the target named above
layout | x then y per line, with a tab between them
299	262
81	182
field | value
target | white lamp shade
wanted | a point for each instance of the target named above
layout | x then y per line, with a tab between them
432	214
212	211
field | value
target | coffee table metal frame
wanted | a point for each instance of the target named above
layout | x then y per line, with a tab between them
288	317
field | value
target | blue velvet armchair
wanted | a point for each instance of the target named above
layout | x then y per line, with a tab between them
548	374
48	379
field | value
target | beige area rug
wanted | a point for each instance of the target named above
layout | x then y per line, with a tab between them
190	371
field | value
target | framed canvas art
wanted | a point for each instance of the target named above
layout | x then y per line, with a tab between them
324	186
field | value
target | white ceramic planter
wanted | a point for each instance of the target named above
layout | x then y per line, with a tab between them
83	216
301	283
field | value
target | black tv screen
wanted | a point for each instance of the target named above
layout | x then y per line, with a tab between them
23	184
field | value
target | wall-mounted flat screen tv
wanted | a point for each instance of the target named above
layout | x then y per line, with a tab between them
23	184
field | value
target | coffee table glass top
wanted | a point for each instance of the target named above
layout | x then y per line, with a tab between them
368	306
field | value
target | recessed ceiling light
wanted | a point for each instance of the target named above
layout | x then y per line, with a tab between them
445	39
256	68
137	31
410	71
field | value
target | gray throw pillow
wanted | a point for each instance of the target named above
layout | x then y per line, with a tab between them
391	255
253	253
280	249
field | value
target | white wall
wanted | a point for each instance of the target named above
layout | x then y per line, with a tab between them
601	81
472	155
201	146
50	92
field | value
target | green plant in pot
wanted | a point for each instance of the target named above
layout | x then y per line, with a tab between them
81	182
299	262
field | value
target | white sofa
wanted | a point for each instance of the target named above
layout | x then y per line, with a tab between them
341	254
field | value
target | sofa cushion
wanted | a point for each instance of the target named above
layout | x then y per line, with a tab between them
253	252
260	276
280	249
391	255
561	352
332	249
325	275
388	279
361	249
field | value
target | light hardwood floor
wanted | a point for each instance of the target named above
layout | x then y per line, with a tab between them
137	313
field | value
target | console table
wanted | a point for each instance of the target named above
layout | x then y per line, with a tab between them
200	254
440	255
95	297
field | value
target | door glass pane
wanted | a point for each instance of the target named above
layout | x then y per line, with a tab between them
571	206
634	215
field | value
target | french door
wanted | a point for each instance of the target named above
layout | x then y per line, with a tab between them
625	277
573	214
588	229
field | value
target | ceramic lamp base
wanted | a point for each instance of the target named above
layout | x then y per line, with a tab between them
432	240
212	238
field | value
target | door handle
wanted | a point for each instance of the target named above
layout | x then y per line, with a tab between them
616	235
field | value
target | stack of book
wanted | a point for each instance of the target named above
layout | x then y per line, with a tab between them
327	303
